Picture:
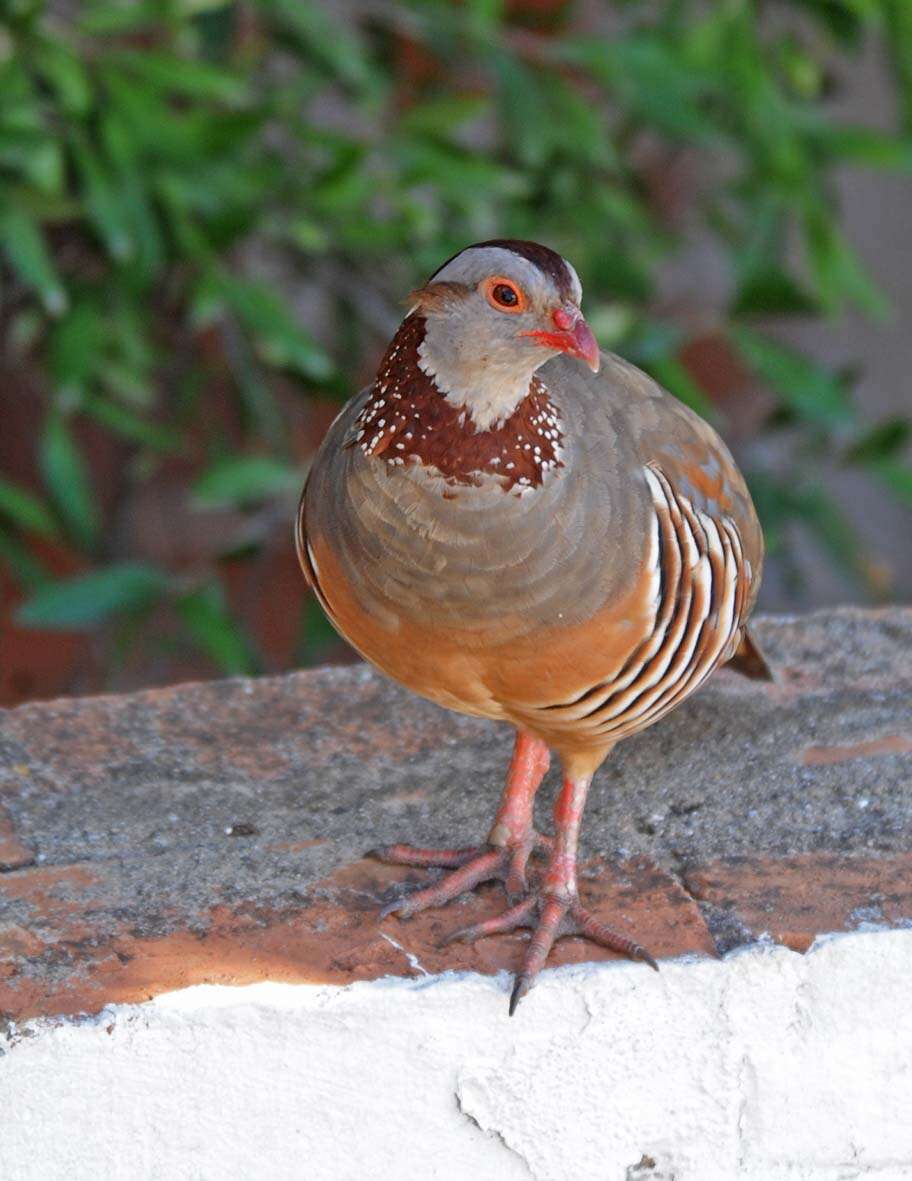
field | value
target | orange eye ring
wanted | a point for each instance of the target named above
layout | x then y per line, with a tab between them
499	290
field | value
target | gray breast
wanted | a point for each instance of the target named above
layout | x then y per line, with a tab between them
477	557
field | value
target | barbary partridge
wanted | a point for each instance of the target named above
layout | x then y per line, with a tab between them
521	528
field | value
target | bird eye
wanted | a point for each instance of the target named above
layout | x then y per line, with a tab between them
504	295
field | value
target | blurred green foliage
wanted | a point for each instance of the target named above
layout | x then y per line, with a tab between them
149	150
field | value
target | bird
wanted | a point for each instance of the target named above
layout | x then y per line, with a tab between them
521	527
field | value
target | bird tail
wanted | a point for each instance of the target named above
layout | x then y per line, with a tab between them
749	659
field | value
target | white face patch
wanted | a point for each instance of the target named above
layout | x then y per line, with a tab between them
482	359
489	387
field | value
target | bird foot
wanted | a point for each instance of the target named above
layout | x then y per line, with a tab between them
550	918
470	867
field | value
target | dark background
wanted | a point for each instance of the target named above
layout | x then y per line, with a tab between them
210	213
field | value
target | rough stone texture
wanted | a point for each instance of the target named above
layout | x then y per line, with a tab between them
13	854
190	833
794	899
72	960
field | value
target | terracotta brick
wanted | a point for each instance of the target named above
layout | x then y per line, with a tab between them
794	899
215	832
55	900
889	744
334	936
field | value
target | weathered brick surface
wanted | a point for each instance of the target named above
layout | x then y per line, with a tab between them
794	899
214	832
332	935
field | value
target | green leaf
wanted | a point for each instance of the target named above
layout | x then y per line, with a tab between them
76	343
838	274
25	510
105	17
67	479
209	623
650	77
841	18
130	426
867	147
809	390
886	439
256	395
333	44
308	235
244	479
880	452
898	43
281	341
442	116
18	558
770	291
65	73
45	168
105	204
190	77
895	474
524	110
88	600
25	248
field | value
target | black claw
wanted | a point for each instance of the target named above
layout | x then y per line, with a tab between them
400	905
521	986
380	853
642	954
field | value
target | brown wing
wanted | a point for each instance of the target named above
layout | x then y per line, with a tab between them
702	588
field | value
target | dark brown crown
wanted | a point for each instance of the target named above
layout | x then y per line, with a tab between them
548	261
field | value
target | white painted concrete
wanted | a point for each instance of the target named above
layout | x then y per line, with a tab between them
765	1066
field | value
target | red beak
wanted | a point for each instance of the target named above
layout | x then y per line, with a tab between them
572	336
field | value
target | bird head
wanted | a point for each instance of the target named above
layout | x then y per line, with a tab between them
495	313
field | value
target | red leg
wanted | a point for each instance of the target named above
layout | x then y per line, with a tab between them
553	910
559	907
506	852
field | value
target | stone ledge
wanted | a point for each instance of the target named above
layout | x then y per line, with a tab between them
199	849
213	833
